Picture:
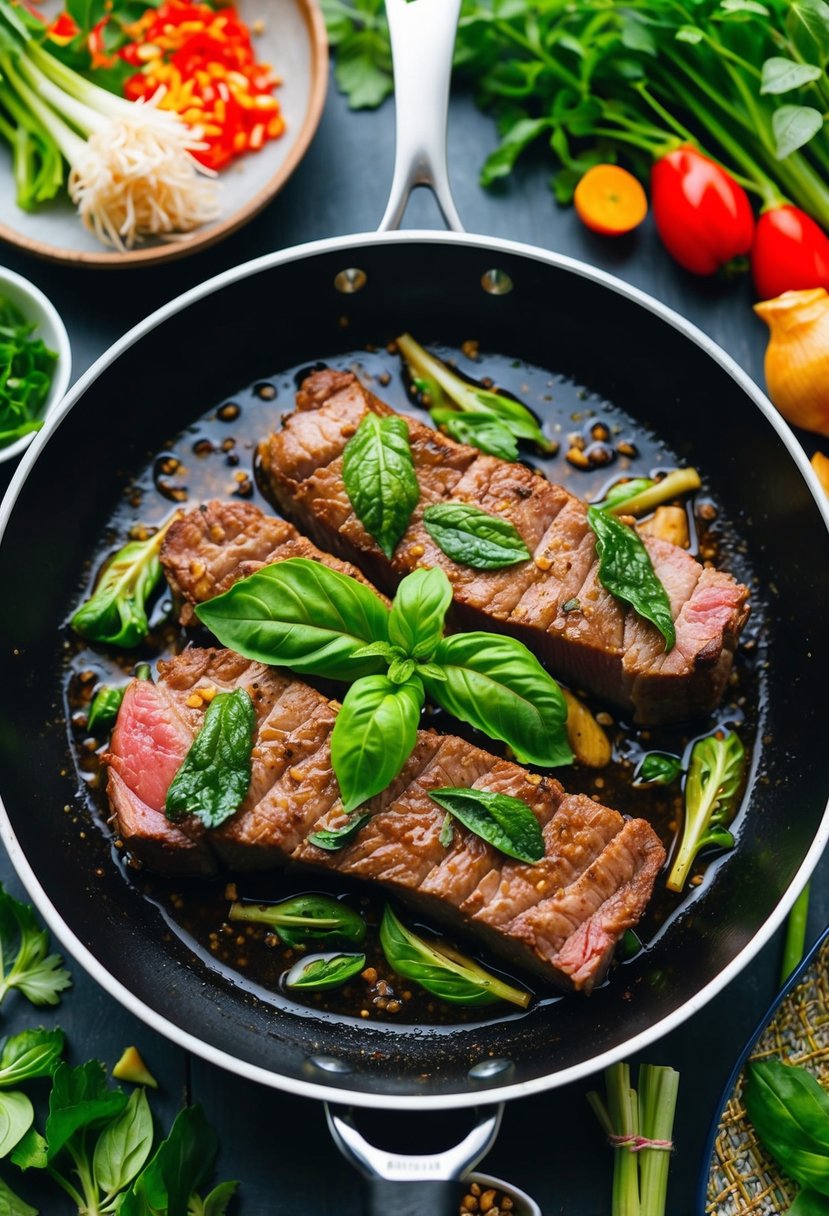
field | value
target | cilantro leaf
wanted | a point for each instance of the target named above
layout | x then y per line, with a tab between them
39	975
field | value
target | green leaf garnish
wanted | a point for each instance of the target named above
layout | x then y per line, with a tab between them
373	735
626	571
478	430
104	708
715	774
332	839
321	971
380	479
215	776
305	918
417	614
505	822
474	537
657	768
24	960
441	970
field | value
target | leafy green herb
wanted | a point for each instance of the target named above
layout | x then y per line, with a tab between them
26	370
79	1101
479	430
332	839
622	491
13	1205
657	768
789	1110
302	615
441	970
32	1053
215	776
626	571
474	537
305	918
373	736
320	971
494	683
24	961
809	1203
418	612
715	774
104	708
471	398
124	1145
380	478
501	820
177	1171
116	612
447	831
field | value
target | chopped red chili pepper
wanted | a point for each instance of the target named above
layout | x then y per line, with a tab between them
204	61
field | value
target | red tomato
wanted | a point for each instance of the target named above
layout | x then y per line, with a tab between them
702	214
791	253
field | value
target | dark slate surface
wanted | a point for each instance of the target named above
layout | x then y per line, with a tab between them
277	1144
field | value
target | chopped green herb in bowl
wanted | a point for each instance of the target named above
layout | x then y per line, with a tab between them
34	362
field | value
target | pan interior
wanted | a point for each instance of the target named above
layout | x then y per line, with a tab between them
282	317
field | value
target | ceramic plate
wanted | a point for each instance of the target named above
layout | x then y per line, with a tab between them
294	42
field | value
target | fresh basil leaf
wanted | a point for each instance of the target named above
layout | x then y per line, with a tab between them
32	1053
79	1100
794	126
301	615
789	1110
481	431
383	650
689	33
124	1145
215	777
495	684
373	736
305	918
657	768
781	75
715	774
808	24
505	822
16	1117
104	708
626	571
24	961
332	839
30	1152
622	491
501	162
116	612
474	537
321	971
401	670
635	35
417	614
380	478
809	1203
180	1166
441	970
13	1205
216	1203
447	831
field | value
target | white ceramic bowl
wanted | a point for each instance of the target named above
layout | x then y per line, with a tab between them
34	306
523	1205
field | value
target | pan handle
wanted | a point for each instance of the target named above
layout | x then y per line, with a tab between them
408	1185
422	45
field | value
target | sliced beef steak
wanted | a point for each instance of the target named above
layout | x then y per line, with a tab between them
597	642
559	919
209	549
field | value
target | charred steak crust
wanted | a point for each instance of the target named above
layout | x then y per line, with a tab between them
210	548
602	645
559	919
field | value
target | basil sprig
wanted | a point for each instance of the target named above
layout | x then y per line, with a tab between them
441	970
116	612
789	1110
496	684
380	478
304	918
302	615
374	735
501	820
320	971
474	537
626	571
215	776
478	430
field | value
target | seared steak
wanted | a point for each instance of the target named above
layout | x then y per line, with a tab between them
598	642
559	919
210	548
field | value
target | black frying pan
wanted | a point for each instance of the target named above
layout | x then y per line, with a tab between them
276	313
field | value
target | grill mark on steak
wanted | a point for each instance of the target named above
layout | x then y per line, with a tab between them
603	646
210	548
601	866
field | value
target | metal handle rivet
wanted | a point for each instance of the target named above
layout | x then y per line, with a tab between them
351	280
496	282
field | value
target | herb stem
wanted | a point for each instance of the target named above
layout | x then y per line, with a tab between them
795	941
658	1089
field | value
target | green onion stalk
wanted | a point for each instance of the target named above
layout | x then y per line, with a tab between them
131	168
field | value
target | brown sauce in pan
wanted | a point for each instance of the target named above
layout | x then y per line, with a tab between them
214	458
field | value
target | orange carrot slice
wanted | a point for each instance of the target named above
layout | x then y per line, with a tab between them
610	200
